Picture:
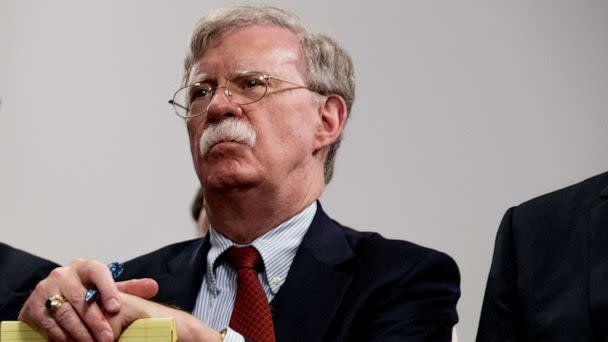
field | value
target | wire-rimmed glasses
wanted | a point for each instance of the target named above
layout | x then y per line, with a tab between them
242	89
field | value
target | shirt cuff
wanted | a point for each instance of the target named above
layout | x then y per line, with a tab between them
233	336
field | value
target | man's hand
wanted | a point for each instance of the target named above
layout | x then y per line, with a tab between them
104	320
75	318
189	327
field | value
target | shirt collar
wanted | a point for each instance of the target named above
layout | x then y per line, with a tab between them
277	247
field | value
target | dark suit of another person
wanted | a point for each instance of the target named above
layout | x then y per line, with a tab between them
19	274
343	285
549	274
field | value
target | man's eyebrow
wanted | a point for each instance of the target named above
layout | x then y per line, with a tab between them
199	78
246	71
205	77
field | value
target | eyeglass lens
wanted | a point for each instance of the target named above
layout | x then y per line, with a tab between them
242	89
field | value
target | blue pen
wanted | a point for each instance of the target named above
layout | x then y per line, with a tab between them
116	269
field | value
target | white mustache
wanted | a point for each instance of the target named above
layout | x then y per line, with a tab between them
227	130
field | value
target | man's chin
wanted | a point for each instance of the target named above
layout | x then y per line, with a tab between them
225	173
228	181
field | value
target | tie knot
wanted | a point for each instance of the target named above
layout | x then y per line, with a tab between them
244	257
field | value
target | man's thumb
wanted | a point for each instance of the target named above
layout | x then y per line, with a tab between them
144	288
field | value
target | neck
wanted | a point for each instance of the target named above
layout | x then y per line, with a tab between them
242	215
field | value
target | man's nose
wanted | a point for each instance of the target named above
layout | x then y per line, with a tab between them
221	106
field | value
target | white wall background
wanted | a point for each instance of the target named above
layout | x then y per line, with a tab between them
463	109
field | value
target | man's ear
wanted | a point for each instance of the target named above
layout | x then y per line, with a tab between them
332	114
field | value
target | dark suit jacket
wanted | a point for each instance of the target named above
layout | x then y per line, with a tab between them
19	274
343	285
549	275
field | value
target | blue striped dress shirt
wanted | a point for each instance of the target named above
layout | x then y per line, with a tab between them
277	247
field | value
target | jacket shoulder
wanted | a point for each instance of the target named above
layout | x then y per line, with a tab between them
557	210
156	262
20	268
398	258
21	272
572	196
401	285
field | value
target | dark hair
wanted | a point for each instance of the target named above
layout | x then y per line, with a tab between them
197	204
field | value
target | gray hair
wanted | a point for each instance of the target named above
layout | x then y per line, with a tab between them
326	66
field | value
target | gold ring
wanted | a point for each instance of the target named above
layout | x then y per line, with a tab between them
53	303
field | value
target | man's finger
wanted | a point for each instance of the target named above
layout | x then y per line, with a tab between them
35	312
144	288
52	329
87	315
97	274
68	319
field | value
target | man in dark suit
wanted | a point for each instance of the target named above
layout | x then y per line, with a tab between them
343	286
265	103
19	273
549	274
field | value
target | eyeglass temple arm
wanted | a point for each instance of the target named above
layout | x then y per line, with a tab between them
171	102
297	86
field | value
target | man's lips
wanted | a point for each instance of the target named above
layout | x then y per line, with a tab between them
225	143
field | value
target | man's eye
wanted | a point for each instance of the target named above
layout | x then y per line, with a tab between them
248	82
198	92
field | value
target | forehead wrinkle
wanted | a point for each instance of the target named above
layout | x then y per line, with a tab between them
241	64
267	59
224	58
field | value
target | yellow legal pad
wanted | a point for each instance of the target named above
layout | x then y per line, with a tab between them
141	330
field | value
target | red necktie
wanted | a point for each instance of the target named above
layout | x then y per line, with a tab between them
251	314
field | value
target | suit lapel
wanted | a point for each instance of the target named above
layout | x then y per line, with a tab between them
315	285
307	301
598	277
182	281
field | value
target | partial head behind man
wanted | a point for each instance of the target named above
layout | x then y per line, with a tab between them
197	210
